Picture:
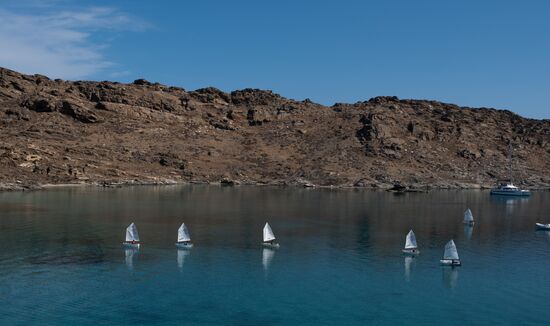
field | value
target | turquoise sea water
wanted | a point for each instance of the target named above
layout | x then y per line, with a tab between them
340	261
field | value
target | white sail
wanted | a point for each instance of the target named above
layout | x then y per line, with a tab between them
450	251
468	217
410	241
183	233
132	233
268	233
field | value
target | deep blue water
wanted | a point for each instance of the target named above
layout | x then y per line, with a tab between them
340	261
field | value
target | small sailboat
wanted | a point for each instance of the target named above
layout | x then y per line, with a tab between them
541	226
411	247
468	217
132	237
269	237
184	239
450	256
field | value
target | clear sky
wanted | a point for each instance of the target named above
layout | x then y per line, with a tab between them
472	53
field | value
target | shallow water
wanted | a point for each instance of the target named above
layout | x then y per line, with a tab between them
340	262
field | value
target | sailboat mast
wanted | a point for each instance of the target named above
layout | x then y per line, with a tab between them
510	160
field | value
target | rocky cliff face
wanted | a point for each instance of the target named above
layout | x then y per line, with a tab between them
56	131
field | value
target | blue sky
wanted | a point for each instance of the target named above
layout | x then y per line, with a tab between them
472	53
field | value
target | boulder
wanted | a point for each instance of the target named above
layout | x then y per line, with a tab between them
77	112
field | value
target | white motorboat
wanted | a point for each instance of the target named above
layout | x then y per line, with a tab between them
269	237
411	248
132	237
541	226
450	256
184	239
507	188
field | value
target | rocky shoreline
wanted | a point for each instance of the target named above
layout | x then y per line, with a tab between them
399	188
57	132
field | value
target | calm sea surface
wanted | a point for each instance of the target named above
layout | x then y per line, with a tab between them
340	261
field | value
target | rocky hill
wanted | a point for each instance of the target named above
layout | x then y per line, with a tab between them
56	131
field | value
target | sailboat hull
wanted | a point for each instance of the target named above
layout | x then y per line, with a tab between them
270	245
450	262
131	245
184	245
411	252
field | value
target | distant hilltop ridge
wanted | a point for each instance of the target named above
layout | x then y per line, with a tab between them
59	132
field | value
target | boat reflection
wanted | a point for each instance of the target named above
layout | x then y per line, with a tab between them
468	230
130	254
510	202
182	253
450	277
267	258
409	261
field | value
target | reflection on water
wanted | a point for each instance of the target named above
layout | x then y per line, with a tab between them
450	276
409	261
267	257
60	257
182	253
468	230
511	203
130	254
